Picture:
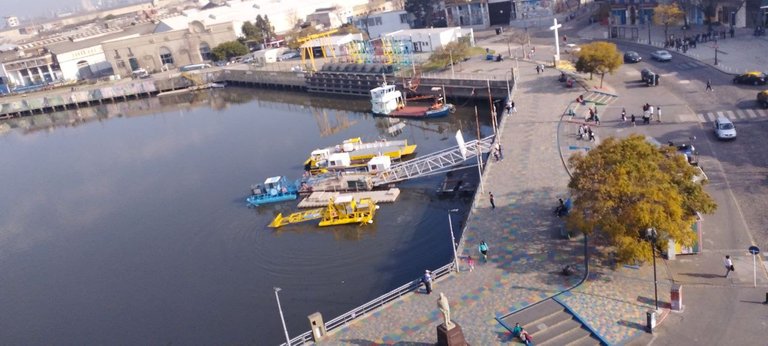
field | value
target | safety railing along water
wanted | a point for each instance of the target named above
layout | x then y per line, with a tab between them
370	306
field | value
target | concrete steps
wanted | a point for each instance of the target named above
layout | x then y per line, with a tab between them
551	324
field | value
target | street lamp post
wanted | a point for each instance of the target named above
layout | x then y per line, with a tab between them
652	235
282	319
648	19
453	240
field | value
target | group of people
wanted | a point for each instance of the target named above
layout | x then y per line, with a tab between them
686	42
593	115
510	107
539	68
585	130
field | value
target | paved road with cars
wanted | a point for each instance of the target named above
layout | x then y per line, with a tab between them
737	172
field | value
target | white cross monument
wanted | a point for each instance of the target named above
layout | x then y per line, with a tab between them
557	40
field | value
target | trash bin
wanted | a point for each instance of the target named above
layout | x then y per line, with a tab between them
498	31
650	319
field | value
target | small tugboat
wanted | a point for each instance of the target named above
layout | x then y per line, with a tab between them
353	153
342	210
386	100
274	189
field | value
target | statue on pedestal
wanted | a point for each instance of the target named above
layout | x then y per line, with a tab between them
442	304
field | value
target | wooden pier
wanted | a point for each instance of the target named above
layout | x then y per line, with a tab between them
320	199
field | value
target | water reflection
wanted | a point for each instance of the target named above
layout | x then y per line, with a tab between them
127	221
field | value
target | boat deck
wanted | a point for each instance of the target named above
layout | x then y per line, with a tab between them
410	111
320	199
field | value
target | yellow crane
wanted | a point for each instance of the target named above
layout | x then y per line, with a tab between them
325	45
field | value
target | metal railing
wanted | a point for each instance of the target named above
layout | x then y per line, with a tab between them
370	306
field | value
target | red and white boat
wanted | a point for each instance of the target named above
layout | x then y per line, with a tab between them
386	100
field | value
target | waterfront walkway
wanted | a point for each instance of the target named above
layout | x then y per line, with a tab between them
526	249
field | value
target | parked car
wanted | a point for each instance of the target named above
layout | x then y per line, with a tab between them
648	76
140	73
754	78
572	48
762	98
632	57
289	55
724	128
661	55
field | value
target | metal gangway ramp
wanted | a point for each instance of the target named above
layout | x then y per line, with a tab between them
438	162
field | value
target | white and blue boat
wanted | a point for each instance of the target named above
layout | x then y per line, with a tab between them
275	189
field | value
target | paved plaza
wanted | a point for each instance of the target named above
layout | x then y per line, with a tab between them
526	249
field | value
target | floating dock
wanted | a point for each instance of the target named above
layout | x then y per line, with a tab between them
319	199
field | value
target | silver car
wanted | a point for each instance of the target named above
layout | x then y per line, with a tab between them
661	55
724	128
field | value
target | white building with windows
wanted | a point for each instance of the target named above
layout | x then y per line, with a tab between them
432	39
84	58
378	24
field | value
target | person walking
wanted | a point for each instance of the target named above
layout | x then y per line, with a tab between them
490	195
498	150
623	115
709	85
512	103
484	250
581	131
591	135
538	69
658	114
632	120
427	280
597	118
470	263
728	266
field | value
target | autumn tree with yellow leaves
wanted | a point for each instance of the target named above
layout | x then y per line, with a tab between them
667	14
599	57
624	186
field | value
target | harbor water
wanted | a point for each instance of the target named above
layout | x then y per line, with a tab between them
126	224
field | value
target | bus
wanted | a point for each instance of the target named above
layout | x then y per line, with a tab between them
194	67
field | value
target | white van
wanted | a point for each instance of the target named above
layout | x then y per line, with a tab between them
724	128
139	73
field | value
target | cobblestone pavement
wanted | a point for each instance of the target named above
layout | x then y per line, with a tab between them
525	252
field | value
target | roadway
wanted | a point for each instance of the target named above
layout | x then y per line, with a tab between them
718	310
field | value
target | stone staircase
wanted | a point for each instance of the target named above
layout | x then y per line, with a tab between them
551	324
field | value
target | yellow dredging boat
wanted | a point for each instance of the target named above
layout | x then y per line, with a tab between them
354	152
342	210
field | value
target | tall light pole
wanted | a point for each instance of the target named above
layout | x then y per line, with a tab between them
453	240
282	319
648	19
652	235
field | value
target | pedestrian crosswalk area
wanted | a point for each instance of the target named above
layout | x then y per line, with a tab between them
689	65
734	115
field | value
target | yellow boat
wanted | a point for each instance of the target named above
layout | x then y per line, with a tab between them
354	152
342	210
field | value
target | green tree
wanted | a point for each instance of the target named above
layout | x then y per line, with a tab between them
455	51
249	30
423	12
228	50
599	57
623	187
666	14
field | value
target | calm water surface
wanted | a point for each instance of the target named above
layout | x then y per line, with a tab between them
125	223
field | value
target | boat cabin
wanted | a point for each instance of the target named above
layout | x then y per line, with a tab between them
386	99
272	186
379	164
339	160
